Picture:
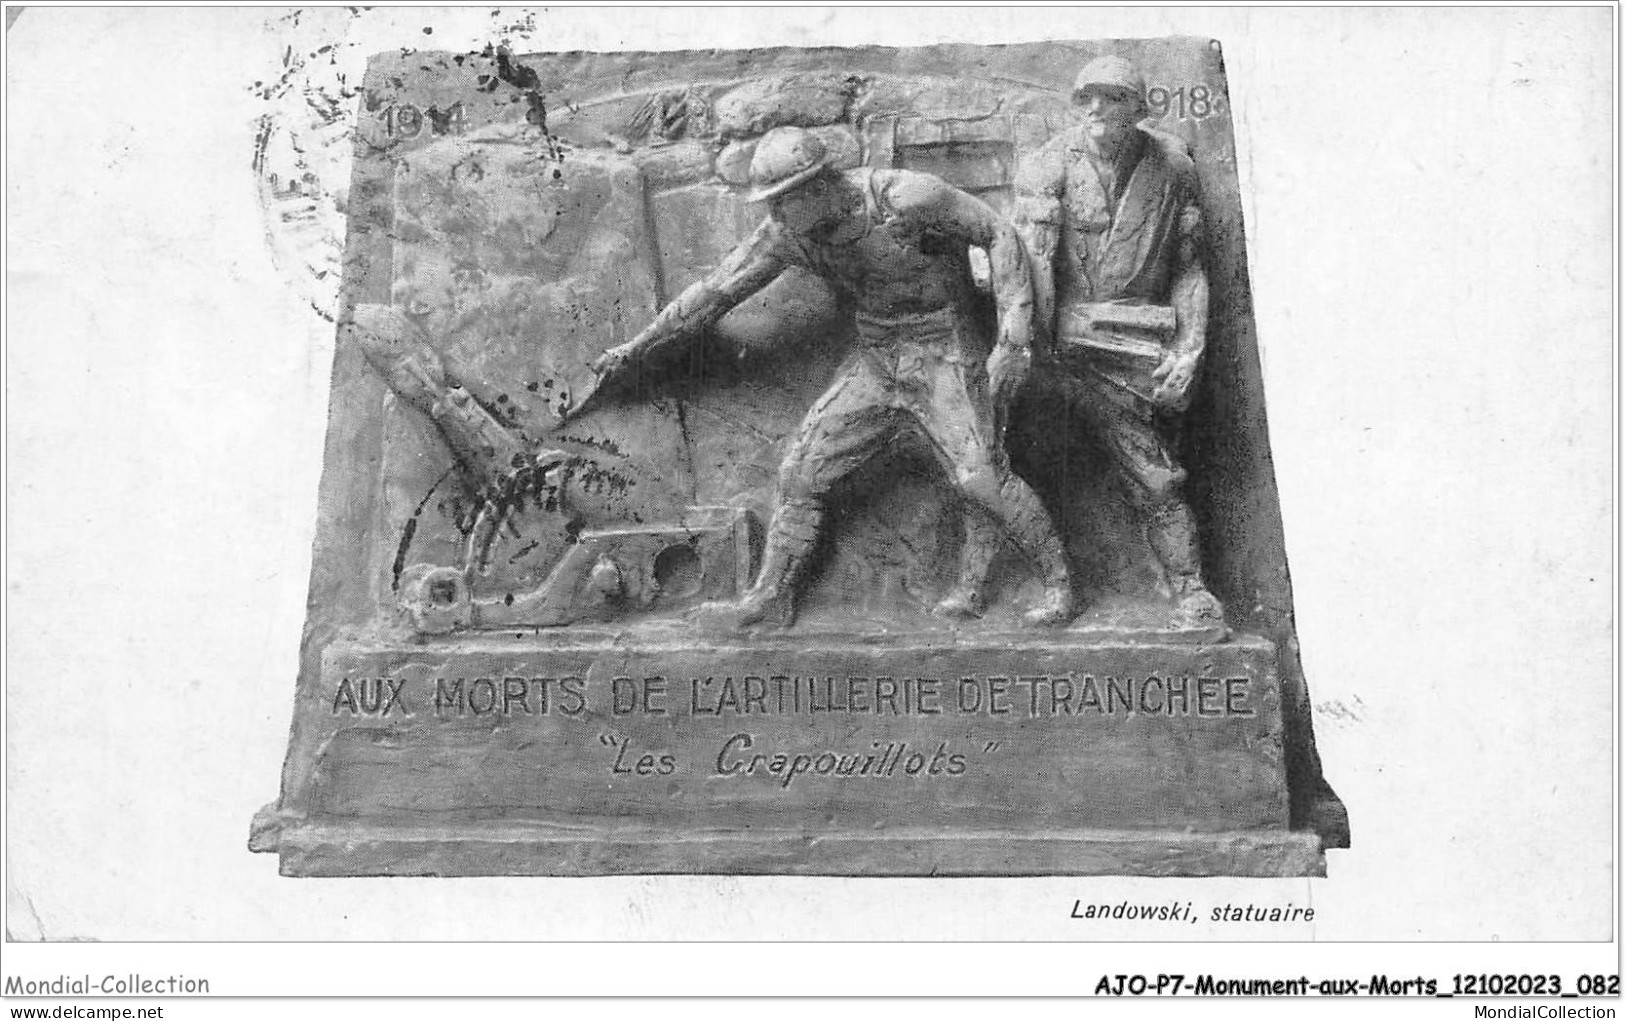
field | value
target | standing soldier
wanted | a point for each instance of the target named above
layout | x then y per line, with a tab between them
894	244
1109	213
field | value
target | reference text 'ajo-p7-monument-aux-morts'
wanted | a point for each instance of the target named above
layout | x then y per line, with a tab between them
845	462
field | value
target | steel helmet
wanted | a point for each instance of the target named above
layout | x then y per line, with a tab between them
1110	72
785	158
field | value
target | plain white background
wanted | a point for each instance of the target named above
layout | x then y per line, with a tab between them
1428	199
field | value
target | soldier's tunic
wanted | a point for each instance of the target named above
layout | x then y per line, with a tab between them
918	361
1112	273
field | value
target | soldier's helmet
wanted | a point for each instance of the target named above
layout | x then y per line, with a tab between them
1109	72
785	158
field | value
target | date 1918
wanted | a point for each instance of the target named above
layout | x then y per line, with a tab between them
1187	101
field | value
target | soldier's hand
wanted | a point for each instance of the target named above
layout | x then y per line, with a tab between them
1007	369
611	362
1015	331
1174	378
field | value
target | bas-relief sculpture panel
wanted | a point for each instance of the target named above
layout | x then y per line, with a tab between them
565	479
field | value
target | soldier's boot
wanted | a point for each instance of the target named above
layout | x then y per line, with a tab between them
1172	533
966	600
1030	527
790	541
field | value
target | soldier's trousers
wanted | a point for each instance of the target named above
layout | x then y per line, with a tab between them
913	377
1130	428
1140	442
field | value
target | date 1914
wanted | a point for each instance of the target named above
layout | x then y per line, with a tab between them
408	121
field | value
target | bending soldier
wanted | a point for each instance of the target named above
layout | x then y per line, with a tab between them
894	244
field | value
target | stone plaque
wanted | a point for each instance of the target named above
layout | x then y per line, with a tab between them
844	462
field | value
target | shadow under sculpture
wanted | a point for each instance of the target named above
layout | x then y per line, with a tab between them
547	633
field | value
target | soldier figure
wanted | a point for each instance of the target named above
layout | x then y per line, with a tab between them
1109	213
893	244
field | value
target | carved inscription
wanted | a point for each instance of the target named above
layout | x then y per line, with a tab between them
649	732
741	756
371	696
509	696
629	762
747	755
1030	696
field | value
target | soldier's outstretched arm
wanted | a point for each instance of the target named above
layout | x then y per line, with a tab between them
751	266
945	209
